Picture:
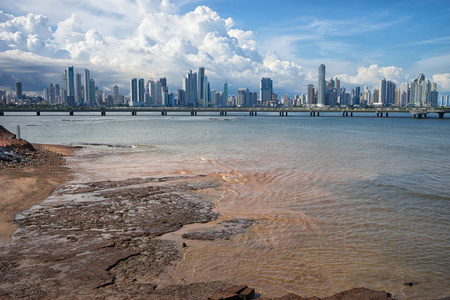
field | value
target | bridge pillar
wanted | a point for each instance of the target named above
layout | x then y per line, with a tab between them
441	115
419	116
38	113
2	113
378	114
71	113
164	113
103	113
286	114
318	114
351	114
133	113
381	115
387	115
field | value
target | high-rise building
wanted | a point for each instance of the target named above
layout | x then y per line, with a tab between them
243	97
133	91
321	90
92	93
115	95
190	88
311	97
68	97
87	88
77	89
416	90
266	91
225	94
19	94
404	94
202	89
382	93
141	90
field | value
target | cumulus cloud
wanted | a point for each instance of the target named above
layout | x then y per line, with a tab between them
373	74
28	33
163	43
443	82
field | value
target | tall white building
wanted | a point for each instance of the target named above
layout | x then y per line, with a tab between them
87	87
190	88
321	90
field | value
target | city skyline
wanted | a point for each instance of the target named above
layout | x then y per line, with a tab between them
238	44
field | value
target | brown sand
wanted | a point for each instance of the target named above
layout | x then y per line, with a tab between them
22	187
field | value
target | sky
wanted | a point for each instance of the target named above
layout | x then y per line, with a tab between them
238	41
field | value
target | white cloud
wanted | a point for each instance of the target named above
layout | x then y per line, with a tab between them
443	82
163	43
372	75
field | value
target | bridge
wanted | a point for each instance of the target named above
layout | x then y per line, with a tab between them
224	111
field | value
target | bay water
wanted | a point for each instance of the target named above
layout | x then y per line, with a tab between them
337	202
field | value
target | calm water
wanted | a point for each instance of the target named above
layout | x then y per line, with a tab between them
338	202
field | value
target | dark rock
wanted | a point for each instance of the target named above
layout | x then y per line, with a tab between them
184	245
409	283
247	294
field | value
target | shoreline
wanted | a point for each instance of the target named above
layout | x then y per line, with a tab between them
24	186
127	259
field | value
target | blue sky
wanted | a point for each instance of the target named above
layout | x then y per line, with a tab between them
238	41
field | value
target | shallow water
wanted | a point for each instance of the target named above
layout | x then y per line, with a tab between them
338	202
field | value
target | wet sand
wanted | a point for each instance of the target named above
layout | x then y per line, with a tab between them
101	239
22	187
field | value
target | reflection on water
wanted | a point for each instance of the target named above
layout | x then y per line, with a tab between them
338	203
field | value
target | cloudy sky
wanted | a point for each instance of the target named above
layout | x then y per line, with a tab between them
235	40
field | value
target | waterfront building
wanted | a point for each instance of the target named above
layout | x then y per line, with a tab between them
87	88
266	91
382	93
190	88
225	94
77	89
311	94
321	90
416	91
19	94
152	91
68	93
202	88
92	92
141	91
115	95
133	90
242	97
404	94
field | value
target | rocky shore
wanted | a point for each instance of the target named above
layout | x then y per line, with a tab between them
100	240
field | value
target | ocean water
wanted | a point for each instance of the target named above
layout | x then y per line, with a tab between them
338	202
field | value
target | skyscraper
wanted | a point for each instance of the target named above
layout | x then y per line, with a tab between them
141	90
77	89
382	93
19	94
202	89
87	90
115	95
190	88
311	94
321	90
416	90
266	90
92	93
225	94
133	91
68	95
